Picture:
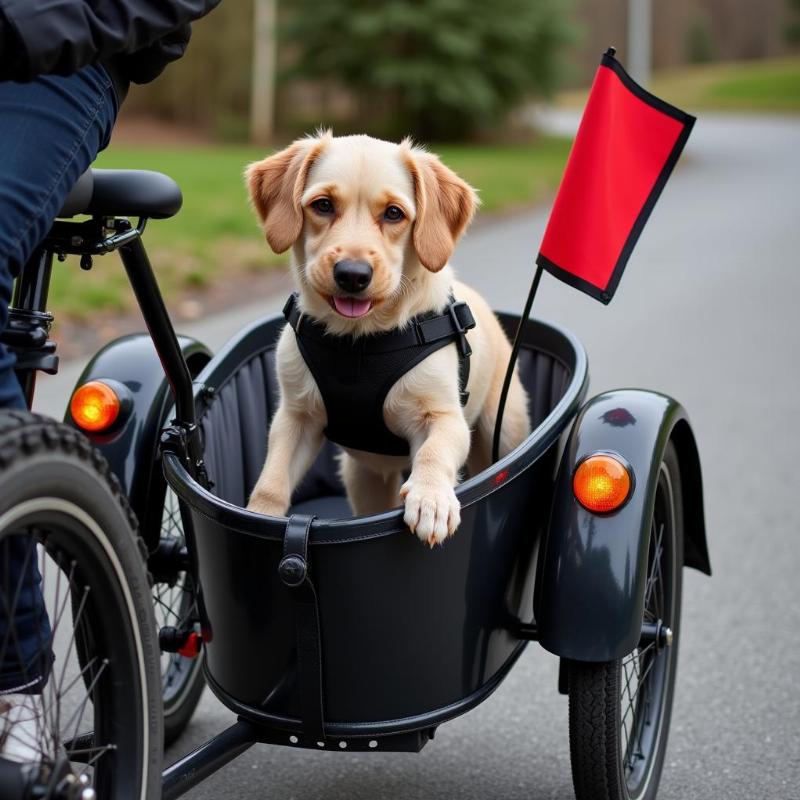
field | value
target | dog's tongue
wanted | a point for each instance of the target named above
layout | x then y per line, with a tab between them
351	307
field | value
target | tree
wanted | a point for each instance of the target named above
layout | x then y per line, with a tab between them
792	31
439	69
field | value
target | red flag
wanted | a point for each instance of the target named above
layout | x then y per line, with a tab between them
626	147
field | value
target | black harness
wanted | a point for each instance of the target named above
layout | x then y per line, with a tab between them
354	374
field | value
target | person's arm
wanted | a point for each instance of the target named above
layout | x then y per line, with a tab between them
61	36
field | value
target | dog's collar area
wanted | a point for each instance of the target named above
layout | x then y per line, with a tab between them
355	373
422	329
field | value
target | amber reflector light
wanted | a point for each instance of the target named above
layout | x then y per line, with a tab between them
94	406
601	484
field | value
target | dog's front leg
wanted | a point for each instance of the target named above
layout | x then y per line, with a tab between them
294	441
432	510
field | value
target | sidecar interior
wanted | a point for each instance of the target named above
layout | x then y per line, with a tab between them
245	397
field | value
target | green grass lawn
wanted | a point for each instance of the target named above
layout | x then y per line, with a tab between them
215	236
760	86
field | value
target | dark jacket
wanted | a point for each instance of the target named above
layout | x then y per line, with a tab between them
133	39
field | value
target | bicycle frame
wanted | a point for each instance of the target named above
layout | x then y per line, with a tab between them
27	333
29	322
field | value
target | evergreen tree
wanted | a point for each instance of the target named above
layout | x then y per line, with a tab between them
439	69
792	31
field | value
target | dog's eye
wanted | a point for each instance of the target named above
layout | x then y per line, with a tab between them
323	206
393	214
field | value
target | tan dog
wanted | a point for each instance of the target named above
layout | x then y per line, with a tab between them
398	210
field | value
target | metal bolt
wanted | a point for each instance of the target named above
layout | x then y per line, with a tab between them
666	634
88	794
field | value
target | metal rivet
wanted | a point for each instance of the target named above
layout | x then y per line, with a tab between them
343	744
292	570
293	739
373	743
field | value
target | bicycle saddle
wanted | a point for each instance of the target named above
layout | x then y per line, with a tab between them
123	193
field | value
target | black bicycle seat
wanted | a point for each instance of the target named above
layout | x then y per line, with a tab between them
123	193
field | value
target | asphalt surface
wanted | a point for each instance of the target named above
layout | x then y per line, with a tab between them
706	312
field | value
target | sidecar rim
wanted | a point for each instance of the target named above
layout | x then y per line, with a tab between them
645	673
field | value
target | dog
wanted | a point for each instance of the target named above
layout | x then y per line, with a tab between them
372	226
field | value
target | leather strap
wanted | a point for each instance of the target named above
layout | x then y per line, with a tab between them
293	570
452	323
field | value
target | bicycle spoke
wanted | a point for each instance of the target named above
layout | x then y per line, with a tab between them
60	613
80	676
76	621
651	577
644	676
101	751
54	626
89	692
11	614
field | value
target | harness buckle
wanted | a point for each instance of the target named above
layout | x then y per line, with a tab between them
461	339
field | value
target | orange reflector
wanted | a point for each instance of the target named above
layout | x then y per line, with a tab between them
94	406
601	483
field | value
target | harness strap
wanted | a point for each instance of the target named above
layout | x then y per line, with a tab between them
293	570
425	328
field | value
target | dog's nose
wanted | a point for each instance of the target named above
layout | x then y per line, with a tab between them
352	276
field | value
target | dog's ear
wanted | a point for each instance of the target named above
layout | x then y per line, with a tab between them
276	185
445	206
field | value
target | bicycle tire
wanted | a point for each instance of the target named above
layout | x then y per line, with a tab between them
60	501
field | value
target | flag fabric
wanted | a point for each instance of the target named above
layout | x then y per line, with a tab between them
626	147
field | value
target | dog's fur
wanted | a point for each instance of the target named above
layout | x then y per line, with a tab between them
362	176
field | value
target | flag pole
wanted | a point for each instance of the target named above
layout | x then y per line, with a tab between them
512	362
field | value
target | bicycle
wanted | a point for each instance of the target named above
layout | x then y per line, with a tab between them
108	548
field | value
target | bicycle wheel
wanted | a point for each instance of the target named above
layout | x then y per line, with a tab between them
78	647
619	711
182	680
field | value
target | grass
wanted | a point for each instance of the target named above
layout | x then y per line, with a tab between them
753	86
215	236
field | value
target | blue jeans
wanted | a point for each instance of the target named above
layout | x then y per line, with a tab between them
51	130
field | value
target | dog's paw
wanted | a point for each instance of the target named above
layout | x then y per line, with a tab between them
267	505
432	510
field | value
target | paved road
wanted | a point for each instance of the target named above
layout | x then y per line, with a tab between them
706	312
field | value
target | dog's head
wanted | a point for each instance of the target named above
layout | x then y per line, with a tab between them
367	219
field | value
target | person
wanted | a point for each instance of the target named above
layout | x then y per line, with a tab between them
65	69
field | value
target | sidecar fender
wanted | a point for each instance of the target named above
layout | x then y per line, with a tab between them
131	446
590	589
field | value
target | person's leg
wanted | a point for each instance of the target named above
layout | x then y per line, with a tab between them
51	131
